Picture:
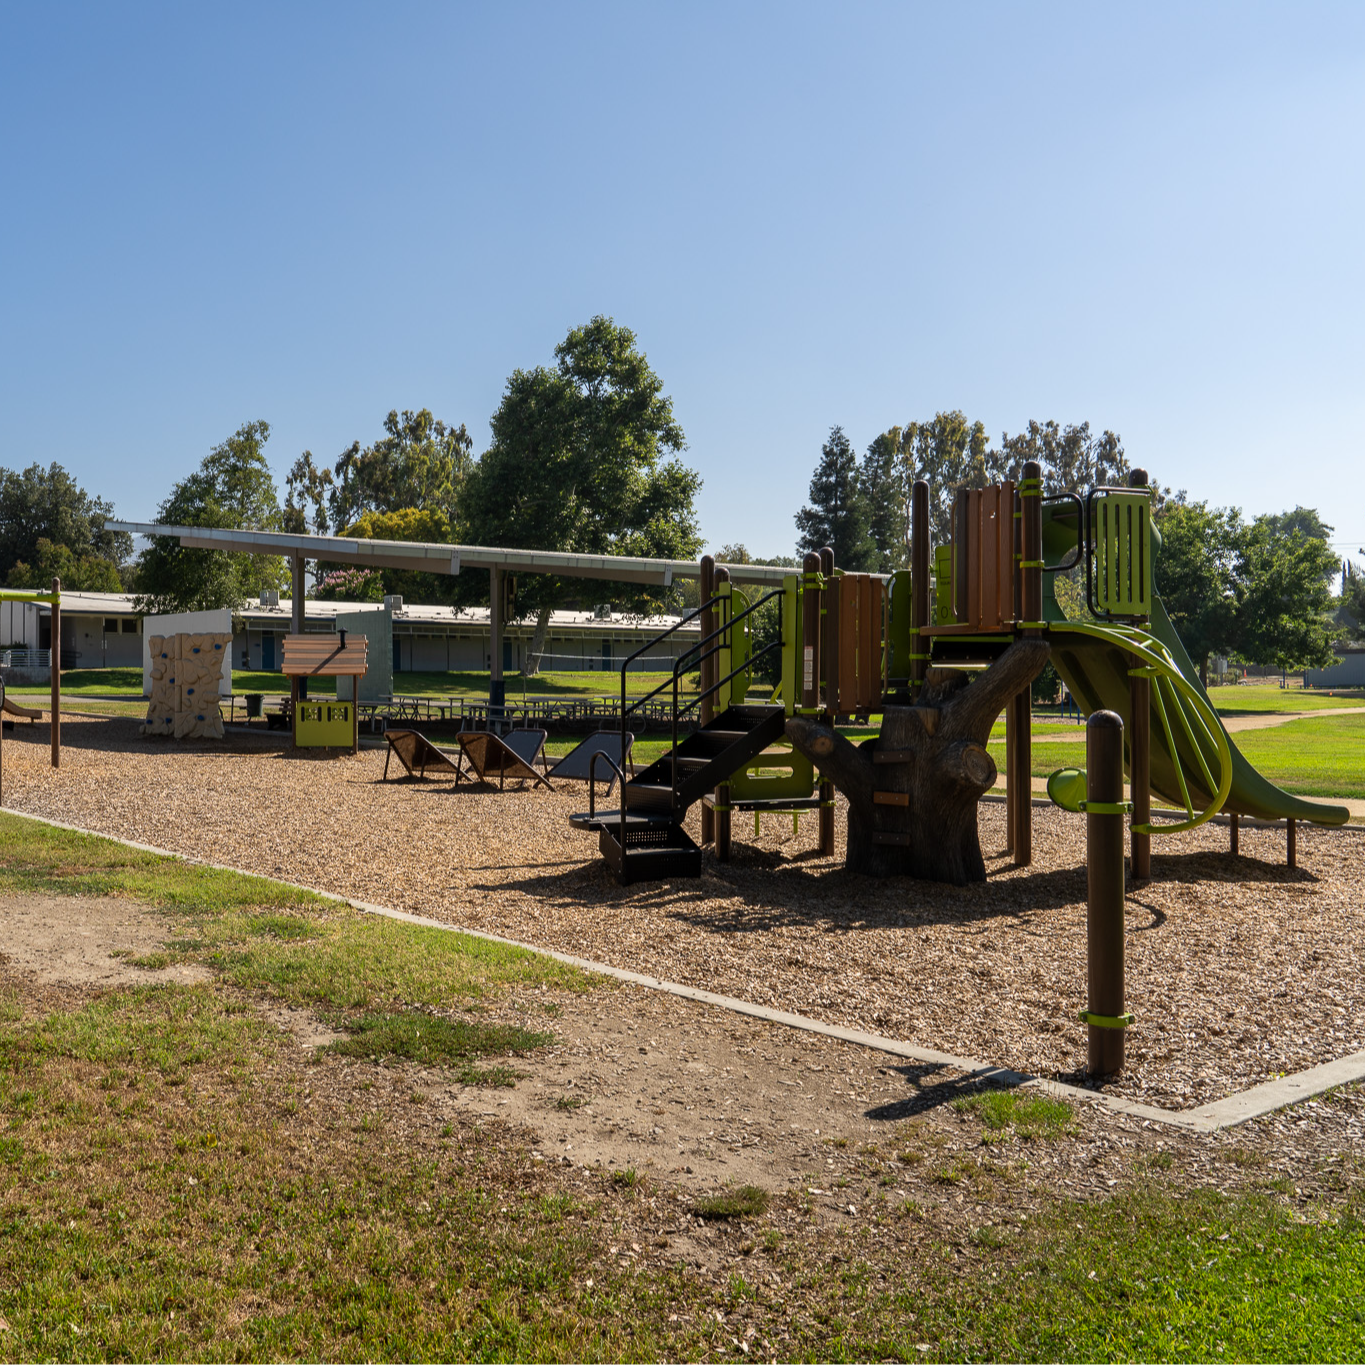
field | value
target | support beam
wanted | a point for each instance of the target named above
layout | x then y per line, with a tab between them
706	586
55	671
298	687
919	584
1140	751
829	649
497	685
723	813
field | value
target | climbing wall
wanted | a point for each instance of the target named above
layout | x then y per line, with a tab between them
186	673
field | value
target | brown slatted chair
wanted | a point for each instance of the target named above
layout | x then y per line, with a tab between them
417	754
513	755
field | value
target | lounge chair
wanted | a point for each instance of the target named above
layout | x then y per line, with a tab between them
511	755
578	765
417	754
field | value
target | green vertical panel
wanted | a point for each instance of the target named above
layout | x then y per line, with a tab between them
943	586
791	643
740	647
899	642
723	660
1123	554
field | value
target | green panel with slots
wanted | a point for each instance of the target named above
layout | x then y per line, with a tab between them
902	604
324	725
777	774
1123	554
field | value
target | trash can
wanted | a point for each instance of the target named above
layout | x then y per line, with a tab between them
253	704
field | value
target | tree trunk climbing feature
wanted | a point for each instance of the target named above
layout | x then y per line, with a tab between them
913	790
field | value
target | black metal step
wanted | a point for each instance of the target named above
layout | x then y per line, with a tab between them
650	854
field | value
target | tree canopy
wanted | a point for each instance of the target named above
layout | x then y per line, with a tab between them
232	487
578	463
79	573
420	462
47	507
837	512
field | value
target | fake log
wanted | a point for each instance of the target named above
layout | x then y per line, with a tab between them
913	791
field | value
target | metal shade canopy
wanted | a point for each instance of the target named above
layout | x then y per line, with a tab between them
426	557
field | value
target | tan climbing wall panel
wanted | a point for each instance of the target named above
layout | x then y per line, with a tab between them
187	670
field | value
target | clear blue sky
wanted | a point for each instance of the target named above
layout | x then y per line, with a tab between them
1148	216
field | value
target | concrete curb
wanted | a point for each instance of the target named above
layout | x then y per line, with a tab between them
1228	1112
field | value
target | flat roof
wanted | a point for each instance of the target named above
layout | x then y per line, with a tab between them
428	557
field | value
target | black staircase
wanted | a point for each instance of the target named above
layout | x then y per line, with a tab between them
644	840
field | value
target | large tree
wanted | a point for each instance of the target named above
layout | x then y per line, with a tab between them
949	453
79	573
419	462
1073	460
1197	573
1283	613
580	462
837	512
886	497
231	488
48	505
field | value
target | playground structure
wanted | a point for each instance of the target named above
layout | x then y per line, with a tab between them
329	723
186	672
941	652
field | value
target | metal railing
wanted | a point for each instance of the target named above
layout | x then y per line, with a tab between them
25	658
685	664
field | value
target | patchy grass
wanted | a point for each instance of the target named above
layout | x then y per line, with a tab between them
746	1201
429	1040
1028	1113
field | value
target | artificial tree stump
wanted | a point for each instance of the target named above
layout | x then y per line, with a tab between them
913	790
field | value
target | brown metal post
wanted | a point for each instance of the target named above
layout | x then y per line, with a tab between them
723	791
1233	831
1104	907
1292	842
706	587
55	671
1019	722
1140	750
919	584
829	600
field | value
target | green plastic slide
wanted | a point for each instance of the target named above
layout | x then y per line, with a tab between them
1195	764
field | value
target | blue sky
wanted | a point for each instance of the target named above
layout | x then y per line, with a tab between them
1149	217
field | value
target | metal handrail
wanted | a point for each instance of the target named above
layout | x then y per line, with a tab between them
621	784
678	669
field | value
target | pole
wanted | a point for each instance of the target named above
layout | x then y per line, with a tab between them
829	651
1104	907
706	588
1031	608
55	671
919	585
723	791
1232	833
497	685
1140	749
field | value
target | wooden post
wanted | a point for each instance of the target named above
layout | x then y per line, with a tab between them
1292	842
706	588
1233	820
55	671
1019	723
919	584
829	649
723	823
1104	906
355	712
497	684
1140	750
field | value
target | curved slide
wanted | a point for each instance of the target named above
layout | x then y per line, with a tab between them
1188	740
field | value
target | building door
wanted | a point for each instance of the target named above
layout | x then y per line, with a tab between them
606	656
267	652
397	655
506	656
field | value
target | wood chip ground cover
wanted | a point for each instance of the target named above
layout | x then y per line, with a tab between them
1238	969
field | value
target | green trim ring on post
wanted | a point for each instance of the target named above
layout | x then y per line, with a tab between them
1106	1020
1170	685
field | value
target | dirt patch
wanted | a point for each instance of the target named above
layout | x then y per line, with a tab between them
60	940
1238	969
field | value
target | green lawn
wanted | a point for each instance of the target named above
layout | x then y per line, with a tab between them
1262	699
178	1180
1322	757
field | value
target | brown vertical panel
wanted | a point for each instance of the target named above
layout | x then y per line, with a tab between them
990	558
869	659
809	664
848	643
1008	566
1031	592
962	544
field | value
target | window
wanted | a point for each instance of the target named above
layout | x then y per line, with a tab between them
130	627
111	625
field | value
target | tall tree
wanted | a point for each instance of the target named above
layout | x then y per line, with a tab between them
419	462
949	453
578	463
1283	612
79	573
49	505
1197	572
410	524
886	495
231	488
309	487
837	513
1072	459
